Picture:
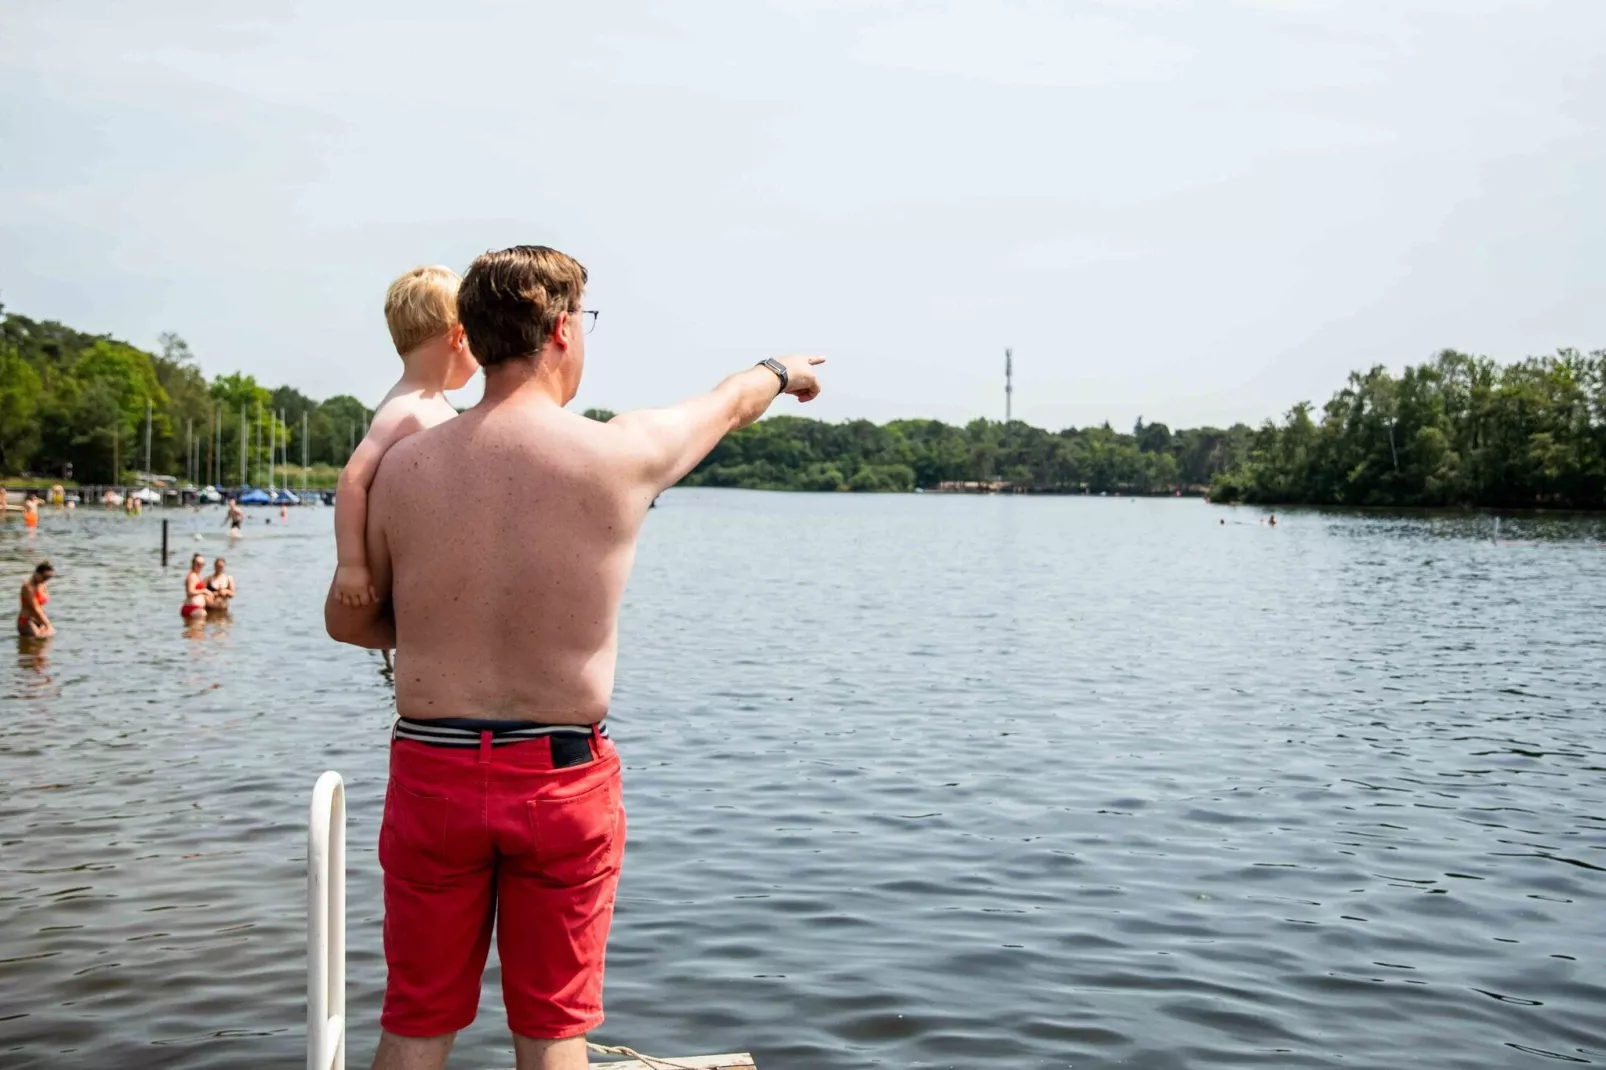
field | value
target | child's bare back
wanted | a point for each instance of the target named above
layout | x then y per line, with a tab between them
421	311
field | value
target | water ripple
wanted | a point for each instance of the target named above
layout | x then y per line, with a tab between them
973	781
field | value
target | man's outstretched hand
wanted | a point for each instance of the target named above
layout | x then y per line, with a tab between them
802	381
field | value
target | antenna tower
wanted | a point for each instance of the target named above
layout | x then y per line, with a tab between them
1009	386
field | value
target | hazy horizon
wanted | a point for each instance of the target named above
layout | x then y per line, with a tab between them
1199	215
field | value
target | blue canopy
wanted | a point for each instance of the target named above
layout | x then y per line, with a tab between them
285	497
256	497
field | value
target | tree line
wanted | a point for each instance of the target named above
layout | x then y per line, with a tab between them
75	405
1458	430
794	453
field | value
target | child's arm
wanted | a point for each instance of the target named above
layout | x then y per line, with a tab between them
374	625
353	586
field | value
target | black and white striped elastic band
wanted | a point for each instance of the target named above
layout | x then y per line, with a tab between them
451	736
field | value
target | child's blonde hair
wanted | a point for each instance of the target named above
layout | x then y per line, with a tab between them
421	305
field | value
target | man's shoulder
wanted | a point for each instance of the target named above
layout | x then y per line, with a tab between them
412	451
404	464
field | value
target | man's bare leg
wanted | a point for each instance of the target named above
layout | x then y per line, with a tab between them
415	1053
532	1054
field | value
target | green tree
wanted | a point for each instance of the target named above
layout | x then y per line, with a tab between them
1456	430
21	390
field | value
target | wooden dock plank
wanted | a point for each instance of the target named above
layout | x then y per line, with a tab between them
734	1061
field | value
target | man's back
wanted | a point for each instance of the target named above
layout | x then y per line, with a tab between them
511	532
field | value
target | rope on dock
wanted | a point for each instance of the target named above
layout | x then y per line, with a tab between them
646	1060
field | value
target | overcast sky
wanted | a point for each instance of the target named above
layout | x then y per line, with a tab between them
1194	212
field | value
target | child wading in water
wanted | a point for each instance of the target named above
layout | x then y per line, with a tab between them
421	311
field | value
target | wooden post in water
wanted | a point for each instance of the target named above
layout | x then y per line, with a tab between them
164	542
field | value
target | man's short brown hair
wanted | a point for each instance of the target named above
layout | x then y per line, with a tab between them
510	301
421	305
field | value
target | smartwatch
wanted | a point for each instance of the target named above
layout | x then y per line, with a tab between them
779	369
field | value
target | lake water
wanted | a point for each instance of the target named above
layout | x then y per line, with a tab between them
912	782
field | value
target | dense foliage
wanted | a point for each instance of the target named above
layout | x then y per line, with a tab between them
1459	430
79	400
792	453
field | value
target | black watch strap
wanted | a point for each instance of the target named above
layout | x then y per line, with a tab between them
780	370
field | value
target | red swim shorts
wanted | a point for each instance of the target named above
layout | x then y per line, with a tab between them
494	831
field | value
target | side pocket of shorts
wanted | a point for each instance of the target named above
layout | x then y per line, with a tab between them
412	834
575	836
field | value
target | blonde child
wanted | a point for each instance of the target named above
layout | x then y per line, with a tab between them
421	311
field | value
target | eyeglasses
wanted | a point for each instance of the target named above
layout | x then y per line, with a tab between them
591	315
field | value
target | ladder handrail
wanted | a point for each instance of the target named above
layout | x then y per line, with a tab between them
326	925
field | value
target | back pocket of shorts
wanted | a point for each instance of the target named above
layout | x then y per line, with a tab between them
574	836
412	835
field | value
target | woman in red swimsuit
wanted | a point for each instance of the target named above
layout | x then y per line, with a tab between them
196	597
32	622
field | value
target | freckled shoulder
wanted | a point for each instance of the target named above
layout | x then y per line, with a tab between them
399	467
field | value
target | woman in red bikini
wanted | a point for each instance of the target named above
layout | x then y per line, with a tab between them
32	622
196	597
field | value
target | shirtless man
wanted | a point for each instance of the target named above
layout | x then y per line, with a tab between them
504	798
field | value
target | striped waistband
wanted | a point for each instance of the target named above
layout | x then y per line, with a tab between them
465	731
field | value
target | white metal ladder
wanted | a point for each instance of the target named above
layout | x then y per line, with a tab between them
326	925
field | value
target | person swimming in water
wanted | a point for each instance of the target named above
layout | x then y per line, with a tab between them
30	510
221	584
236	518
197	599
31	621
